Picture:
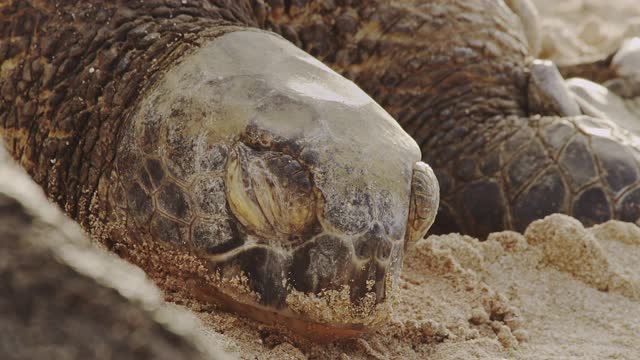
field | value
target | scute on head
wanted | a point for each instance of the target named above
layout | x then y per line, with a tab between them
316	178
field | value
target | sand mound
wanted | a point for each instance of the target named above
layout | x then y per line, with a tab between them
559	290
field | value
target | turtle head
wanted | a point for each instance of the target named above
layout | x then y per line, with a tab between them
284	176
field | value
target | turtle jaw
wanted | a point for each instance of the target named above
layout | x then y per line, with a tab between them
343	285
339	273
333	280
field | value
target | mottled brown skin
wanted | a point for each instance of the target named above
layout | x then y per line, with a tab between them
72	72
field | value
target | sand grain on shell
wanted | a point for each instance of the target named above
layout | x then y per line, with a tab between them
558	291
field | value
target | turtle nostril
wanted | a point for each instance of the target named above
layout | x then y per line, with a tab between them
376	232
364	248
373	243
384	249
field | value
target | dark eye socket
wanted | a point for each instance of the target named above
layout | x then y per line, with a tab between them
269	192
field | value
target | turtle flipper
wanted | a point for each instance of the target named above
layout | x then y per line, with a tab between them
533	167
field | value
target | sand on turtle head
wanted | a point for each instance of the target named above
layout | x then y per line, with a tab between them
511	296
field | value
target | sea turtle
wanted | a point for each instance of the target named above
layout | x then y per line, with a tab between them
229	164
195	140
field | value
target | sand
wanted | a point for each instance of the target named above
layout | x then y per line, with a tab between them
558	291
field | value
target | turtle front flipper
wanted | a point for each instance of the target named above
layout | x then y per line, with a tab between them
534	167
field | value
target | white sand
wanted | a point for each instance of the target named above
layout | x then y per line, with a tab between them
557	292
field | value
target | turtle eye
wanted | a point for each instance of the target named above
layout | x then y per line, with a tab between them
423	203
269	192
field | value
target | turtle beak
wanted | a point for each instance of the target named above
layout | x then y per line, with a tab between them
423	202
